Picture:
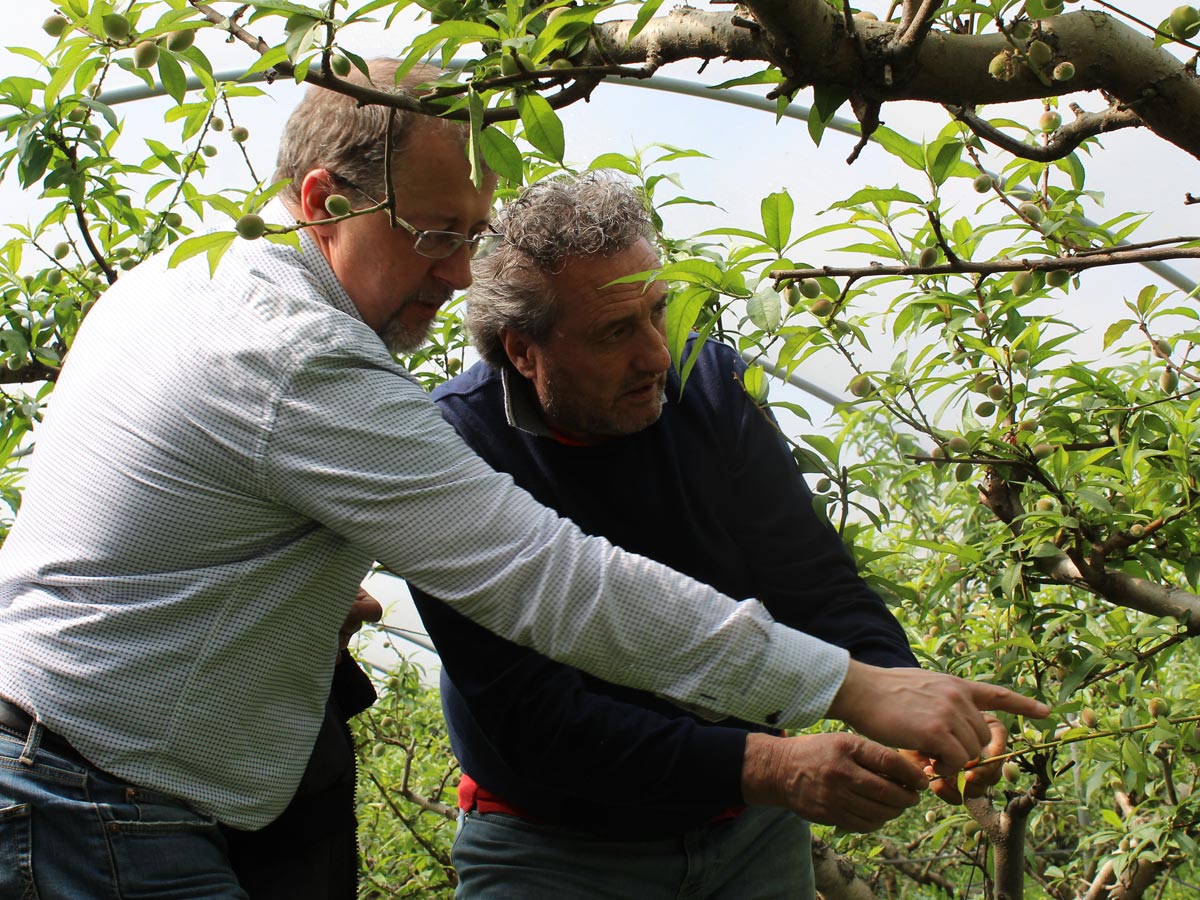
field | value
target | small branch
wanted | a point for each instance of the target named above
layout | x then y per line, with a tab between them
1062	143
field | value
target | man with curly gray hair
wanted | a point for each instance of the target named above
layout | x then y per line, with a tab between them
573	786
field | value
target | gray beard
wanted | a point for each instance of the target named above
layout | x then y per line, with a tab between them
397	337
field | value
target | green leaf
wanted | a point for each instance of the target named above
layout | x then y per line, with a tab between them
899	146
682	313
502	155
764	309
877	195
300	31
944	161
777	211
756	384
645	14
201	243
172	76
474	150
542	126
1116	330
826	102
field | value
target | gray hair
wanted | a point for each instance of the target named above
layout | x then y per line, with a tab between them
328	130
550	223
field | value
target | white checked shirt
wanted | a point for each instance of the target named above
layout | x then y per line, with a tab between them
221	461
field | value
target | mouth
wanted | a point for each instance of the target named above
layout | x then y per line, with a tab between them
646	391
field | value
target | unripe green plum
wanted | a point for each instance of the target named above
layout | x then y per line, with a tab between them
1021	31
985	409
810	288
216	123
963	472
55	25
1041	451
172	219
1050	121
340	65
823	485
209	150
337	204
1000	67
251	226
1020	356
1064	71
61	249
1158	707
929	257
822	306
1031	211
983	183
1021	283
145	55
860	386
239	134
1057	278
997	392
1168	380
1185	22
958	444
1088	717
1011	772
116	26
1039	53
178	41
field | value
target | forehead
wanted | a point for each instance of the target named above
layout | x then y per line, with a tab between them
584	288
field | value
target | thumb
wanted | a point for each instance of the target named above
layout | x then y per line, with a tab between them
890	764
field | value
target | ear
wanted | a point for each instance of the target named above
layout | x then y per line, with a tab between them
522	352
315	188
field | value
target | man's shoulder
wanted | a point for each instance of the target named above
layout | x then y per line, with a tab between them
468	387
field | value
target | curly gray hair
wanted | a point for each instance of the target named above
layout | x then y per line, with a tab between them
328	130
550	223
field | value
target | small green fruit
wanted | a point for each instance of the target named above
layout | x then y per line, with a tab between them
1045	504
963	472
929	257
77	114
1011	772
810	288
981	319
1088	717
172	219
822	306
860	386
939	460
1001	67
1161	348
337	205
251	226
508	64
216	123
793	295
1028	426
1137	530
1064	71
1020	356
239	133
823	485
958	444
1050	121
931	816
1057	278
1168	381
178	41
209	150
562	63
128	263
145	55
54	277
61	249
997	392
116	26
1185	22
340	65
1158	707
985	409
55	25
1041	451
1031	211
1021	31
92	130
983	183
1021	283
453	364
1052	5
1039	53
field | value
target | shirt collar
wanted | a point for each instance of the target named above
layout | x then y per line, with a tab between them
521	408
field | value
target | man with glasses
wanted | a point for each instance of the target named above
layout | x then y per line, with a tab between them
203	501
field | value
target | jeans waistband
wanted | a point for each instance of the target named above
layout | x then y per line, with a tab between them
19	722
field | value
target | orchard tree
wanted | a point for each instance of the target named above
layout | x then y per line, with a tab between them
1028	502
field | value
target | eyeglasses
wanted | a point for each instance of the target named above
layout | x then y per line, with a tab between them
438	244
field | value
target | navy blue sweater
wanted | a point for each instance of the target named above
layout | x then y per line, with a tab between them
711	489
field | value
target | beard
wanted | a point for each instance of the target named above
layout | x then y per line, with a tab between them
398	336
578	415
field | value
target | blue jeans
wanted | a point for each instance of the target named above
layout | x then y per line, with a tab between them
72	832
764	854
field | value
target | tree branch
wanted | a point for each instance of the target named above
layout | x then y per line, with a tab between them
1064	140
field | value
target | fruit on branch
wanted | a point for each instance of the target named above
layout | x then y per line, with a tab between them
822	306
1064	71
1039	53
145	55
1158	707
810	288
251	226
1001	66
1020	356
823	485
962	472
1011	772
997	392
1022	282
1057	278
793	295
958	444
209	150
216	123
1045	504
1050	121
337	205
178	41
1088	717
1168	380
340	65
55	25
116	26
239	133
1161	348
985	409
860	386
1041	451
928	257
61	249
172	219
1185	22
1021	31
983	183
1031	211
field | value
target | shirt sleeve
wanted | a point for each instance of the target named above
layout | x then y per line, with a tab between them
550	728
360	448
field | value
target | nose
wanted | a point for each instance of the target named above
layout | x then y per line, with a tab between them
653	353
455	270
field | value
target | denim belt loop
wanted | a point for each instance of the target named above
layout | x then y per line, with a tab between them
32	742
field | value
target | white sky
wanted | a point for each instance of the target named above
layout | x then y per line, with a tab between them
751	157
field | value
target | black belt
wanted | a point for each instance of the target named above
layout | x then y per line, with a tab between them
16	720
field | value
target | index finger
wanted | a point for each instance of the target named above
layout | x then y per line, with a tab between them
992	696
